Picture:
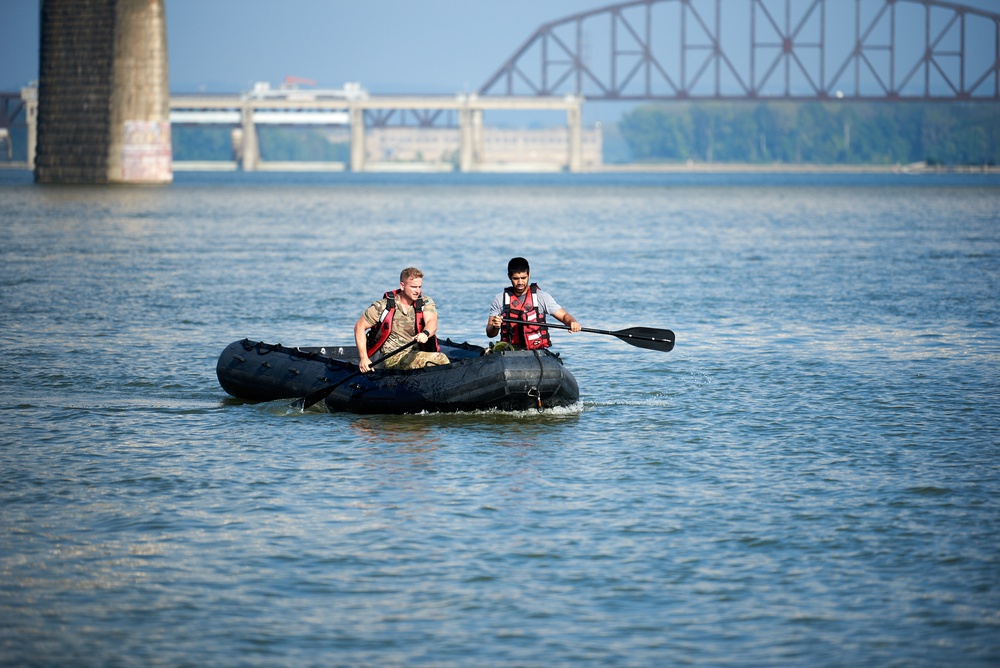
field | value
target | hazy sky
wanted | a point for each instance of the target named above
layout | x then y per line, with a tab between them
442	46
389	46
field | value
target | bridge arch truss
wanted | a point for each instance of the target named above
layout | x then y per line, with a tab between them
761	49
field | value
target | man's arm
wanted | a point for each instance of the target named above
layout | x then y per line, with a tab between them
365	364
430	326
495	319
565	318
493	326
558	312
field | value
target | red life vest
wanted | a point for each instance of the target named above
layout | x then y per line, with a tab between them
531	337
379	333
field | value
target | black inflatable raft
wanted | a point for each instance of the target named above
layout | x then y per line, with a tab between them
519	380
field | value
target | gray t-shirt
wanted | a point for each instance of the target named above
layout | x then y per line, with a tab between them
541	300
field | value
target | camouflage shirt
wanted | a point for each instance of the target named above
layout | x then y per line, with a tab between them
404	321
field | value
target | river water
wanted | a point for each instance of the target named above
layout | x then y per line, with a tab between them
811	477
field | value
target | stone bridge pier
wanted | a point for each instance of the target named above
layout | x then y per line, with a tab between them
103	93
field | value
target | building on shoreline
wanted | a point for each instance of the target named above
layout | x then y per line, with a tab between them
529	149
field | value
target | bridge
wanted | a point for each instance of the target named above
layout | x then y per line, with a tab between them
640	50
354	108
894	50
350	108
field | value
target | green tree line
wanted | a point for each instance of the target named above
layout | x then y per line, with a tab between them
815	133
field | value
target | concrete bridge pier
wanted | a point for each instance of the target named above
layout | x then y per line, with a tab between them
465	139
574	125
357	138
478	152
470	135
250	148
103	93
29	96
473	139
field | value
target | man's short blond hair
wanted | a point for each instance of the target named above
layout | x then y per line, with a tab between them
408	273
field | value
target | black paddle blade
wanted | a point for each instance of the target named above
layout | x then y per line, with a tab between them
320	395
647	337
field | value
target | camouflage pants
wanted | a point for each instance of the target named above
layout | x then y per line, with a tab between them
416	359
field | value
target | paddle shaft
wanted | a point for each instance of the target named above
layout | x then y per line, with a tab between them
550	324
661	339
320	395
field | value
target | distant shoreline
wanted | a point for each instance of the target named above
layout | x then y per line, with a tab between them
783	168
624	168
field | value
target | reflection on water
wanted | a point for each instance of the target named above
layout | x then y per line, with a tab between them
412	437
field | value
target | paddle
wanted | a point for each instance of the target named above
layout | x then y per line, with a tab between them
640	337
320	395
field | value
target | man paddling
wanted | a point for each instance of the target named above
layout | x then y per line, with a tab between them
524	301
399	317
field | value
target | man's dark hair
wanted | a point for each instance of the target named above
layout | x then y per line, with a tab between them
516	266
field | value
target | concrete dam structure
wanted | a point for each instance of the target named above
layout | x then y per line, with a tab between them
103	93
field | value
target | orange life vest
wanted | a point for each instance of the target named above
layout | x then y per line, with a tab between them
531	337
379	333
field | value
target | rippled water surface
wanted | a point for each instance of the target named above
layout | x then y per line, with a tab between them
809	478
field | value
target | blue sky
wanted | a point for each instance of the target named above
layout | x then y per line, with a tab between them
389	46
442	46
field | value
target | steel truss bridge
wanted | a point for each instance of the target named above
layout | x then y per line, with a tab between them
761	49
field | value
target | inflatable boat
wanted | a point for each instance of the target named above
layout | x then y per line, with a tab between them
474	380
